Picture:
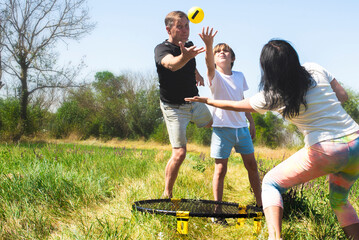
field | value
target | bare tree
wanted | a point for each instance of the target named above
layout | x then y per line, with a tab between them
30	30
2	22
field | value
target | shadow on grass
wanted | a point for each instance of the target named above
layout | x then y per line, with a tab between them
295	203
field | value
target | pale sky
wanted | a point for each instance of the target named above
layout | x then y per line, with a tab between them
322	31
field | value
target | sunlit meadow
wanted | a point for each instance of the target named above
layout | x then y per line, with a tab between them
85	190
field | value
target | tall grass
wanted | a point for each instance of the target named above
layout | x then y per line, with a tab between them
73	191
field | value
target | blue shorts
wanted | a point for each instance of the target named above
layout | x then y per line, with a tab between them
224	139
177	117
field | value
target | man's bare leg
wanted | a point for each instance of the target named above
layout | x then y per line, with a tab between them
172	169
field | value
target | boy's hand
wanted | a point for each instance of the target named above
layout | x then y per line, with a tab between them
208	36
252	130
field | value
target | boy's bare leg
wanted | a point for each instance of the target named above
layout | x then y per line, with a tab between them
220	171
252	169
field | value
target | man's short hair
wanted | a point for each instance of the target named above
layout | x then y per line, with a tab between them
173	16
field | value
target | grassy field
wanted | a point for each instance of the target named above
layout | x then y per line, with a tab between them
85	190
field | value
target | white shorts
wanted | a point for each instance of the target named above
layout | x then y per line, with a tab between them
177	117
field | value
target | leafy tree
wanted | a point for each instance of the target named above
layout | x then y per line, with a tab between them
111	94
1	44
70	117
351	106
144	114
269	129
30	31
125	106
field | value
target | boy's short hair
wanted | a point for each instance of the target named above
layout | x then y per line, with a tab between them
224	46
173	16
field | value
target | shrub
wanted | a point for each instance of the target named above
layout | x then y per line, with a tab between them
351	106
10	119
144	113
199	135
70	117
160	134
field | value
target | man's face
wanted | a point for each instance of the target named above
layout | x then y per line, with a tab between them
179	30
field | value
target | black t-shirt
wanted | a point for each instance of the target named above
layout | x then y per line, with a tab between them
175	86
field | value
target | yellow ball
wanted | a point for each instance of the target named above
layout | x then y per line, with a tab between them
195	14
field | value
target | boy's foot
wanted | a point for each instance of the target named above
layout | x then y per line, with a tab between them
260	208
220	221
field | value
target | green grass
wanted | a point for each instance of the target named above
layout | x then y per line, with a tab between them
68	191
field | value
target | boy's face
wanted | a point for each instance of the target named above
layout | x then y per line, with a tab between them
179	31
223	57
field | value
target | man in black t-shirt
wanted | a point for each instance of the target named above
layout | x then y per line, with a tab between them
179	78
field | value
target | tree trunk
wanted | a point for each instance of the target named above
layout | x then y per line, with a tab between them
24	100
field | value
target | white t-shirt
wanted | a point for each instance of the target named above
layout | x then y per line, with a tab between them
228	87
324	118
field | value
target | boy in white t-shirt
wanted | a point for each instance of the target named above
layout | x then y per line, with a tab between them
230	129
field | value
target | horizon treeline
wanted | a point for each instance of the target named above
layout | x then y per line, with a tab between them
127	107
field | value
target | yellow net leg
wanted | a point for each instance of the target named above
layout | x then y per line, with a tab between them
240	221
182	222
257	223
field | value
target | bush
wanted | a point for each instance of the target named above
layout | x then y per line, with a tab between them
199	135
351	106
112	107
196	135
70	117
160	134
144	113
268	129
9	115
10	119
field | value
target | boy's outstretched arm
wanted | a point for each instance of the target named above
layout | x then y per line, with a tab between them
207	37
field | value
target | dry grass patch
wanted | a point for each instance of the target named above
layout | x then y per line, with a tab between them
260	151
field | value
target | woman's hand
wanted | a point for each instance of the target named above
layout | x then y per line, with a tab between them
197	99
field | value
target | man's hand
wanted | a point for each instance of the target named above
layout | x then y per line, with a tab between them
199	79
191	52
175	63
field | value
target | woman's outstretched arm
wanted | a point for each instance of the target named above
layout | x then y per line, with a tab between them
239	106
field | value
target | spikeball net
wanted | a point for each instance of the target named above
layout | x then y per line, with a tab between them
183	209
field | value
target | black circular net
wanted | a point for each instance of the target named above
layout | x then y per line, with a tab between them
197	208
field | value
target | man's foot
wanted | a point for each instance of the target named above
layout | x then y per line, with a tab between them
165	196
220	221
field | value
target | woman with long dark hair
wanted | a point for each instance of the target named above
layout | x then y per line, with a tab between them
310	97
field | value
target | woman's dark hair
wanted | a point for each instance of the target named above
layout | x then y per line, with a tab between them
284	81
